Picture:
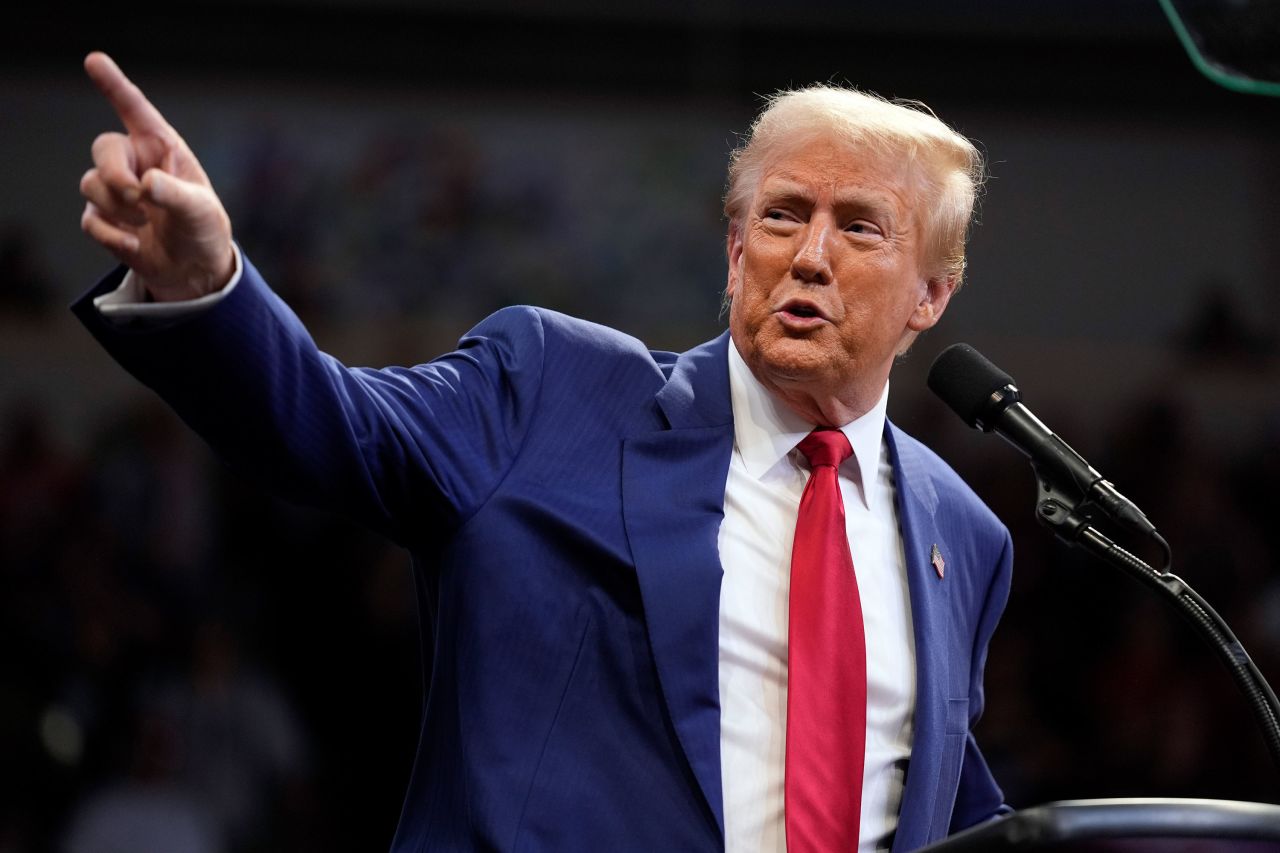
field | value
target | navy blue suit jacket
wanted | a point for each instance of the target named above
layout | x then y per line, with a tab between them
561	488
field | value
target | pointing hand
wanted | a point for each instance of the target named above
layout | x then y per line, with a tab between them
149	202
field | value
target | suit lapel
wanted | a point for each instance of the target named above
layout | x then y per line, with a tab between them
673	503
917	508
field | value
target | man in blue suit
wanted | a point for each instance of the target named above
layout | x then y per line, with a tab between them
601	533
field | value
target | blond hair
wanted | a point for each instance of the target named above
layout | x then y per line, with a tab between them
947	167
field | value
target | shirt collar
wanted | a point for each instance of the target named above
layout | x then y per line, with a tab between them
765	430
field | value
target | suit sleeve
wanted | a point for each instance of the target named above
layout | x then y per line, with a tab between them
412	451
978	797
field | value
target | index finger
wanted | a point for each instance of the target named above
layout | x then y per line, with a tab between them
135	111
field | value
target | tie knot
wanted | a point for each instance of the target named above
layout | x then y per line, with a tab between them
825	447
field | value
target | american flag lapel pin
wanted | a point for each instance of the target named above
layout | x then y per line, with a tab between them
939	564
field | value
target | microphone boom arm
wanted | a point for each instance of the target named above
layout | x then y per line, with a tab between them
1072	523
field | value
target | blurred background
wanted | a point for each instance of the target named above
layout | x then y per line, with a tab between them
181	653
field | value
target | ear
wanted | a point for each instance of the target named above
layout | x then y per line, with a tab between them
733	250
937	293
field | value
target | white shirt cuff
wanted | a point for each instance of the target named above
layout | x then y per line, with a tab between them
126	301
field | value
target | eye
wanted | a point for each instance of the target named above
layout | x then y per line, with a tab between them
862	226
780	220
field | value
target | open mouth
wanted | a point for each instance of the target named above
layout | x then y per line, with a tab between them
801	310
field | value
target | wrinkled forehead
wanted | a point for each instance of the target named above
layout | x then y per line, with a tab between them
827	162
839	154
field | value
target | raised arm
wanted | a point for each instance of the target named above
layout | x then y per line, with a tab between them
410	451
149	202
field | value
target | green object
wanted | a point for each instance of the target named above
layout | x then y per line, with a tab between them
1216	71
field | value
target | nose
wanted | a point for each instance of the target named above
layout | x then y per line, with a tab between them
812	261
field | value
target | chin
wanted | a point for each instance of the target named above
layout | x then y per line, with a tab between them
793	360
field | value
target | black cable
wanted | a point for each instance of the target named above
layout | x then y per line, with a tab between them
1211	626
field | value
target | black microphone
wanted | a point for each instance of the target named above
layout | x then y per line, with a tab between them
985	398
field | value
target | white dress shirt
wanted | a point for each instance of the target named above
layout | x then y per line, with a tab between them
762	498
128	301
767	476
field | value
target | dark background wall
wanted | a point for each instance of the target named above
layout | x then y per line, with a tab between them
176	643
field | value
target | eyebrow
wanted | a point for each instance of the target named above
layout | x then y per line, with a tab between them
782	188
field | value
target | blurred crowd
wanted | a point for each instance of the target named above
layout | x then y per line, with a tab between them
189	665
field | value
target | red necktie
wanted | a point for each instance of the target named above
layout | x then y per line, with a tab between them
826	665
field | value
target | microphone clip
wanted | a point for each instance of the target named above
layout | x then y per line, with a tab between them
1060	510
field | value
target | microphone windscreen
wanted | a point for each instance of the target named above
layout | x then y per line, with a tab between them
966	381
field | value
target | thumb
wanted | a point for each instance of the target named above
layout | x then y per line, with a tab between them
191	230
193	207
168	192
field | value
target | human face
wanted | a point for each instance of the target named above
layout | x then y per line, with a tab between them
827	279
